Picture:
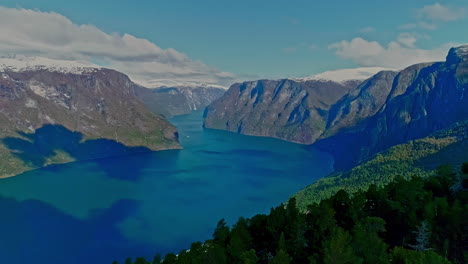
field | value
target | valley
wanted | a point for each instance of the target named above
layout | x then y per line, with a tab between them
192	132
137	205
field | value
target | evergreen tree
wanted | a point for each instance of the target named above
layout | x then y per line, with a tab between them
422	237
338	249
367	243
170	258
141	260
404	256
249	257
221	233
240	240
282	256
157	259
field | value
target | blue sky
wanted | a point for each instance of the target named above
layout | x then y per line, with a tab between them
276	38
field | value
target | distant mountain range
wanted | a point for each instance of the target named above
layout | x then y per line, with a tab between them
172	101
351	119
343	75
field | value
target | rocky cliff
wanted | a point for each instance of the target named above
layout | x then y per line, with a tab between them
350	120
292	110
83	103
424	98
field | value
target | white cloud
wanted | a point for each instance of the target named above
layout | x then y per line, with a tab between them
52	35
396	54
407	39
438	12
430	17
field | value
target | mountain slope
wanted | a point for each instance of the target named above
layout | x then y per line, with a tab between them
352	122
418	158
82	103
292	110
408	221
171	101
424	98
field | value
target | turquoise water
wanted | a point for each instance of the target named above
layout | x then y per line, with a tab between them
105	210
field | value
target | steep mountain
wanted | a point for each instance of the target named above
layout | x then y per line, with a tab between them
353	122
424	98
360	103
416	158
287	109
56	113
171	101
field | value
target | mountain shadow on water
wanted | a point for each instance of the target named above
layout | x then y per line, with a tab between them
59	143
31	228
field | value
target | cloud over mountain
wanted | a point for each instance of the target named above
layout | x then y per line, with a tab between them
397	54
52	35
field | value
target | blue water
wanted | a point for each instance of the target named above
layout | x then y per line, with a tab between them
138	205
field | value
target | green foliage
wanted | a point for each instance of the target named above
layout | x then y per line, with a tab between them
249	257
413	159
281	257
408	221
404	256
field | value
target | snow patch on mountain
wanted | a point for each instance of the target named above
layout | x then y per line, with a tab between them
346	74
21	63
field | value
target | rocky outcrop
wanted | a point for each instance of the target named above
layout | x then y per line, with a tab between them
360	103
292	110
95	103
172	101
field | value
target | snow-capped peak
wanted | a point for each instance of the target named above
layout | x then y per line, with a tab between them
20	63
346	74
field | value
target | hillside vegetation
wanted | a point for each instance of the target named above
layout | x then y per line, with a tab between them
413	159
407	221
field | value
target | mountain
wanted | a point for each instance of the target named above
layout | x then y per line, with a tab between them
346	74
424	98
287	109
56	112
416	158
352	122
171	101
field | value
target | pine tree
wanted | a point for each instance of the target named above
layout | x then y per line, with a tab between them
422	237
157	259
282	256
338	249
249	257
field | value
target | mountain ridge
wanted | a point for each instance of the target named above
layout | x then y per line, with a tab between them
364	120
99	104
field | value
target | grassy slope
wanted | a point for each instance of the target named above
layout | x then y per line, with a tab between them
415	158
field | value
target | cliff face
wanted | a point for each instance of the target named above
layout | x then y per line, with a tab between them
424	98
360	103
92	103
350	121
171	101
292	110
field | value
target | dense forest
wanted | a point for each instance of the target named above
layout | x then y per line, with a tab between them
409	221
415	158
